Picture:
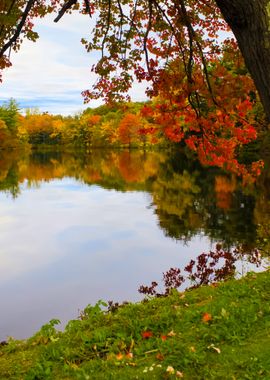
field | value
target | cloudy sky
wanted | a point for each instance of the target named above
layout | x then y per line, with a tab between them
51	73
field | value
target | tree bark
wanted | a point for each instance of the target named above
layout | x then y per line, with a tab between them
250	23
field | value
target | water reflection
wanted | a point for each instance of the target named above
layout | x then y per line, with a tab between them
75	228
187	199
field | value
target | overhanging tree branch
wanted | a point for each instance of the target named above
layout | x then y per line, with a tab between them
64	8
19	28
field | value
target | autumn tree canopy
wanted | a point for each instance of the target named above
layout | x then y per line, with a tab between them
159	29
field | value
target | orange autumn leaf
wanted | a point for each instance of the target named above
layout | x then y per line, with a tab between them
206	317
119	356
163	337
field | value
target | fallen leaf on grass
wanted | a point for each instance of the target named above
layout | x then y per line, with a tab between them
119	356
147	334
214	348
170	370
206	317
179	374
171	333
159	356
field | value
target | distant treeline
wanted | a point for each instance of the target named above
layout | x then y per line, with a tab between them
121	125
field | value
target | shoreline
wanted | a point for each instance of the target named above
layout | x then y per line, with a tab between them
215	331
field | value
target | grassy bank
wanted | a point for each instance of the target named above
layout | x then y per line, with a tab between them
214	332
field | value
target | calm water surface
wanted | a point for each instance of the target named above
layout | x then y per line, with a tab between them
78	228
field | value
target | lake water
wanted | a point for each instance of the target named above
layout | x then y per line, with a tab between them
77	228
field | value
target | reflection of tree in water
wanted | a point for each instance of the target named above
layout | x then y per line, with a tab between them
9	181
187	199
175	201
119	170
209	268
224	189
235	225
191	200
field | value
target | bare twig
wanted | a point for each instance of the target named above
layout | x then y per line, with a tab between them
149	27
193	36
108	27
87	7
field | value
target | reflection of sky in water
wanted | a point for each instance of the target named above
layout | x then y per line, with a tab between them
65	245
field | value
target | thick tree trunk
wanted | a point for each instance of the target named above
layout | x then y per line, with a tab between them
250	23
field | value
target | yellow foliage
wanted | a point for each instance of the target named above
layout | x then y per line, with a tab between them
224	187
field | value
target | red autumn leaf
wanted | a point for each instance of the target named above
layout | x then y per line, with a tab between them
147	334
163	337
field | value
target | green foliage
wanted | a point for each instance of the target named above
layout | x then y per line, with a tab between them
213	332
9	112
47	333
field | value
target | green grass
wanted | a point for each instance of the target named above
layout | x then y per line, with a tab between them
214	332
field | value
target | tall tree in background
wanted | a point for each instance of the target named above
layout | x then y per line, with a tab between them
128	129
